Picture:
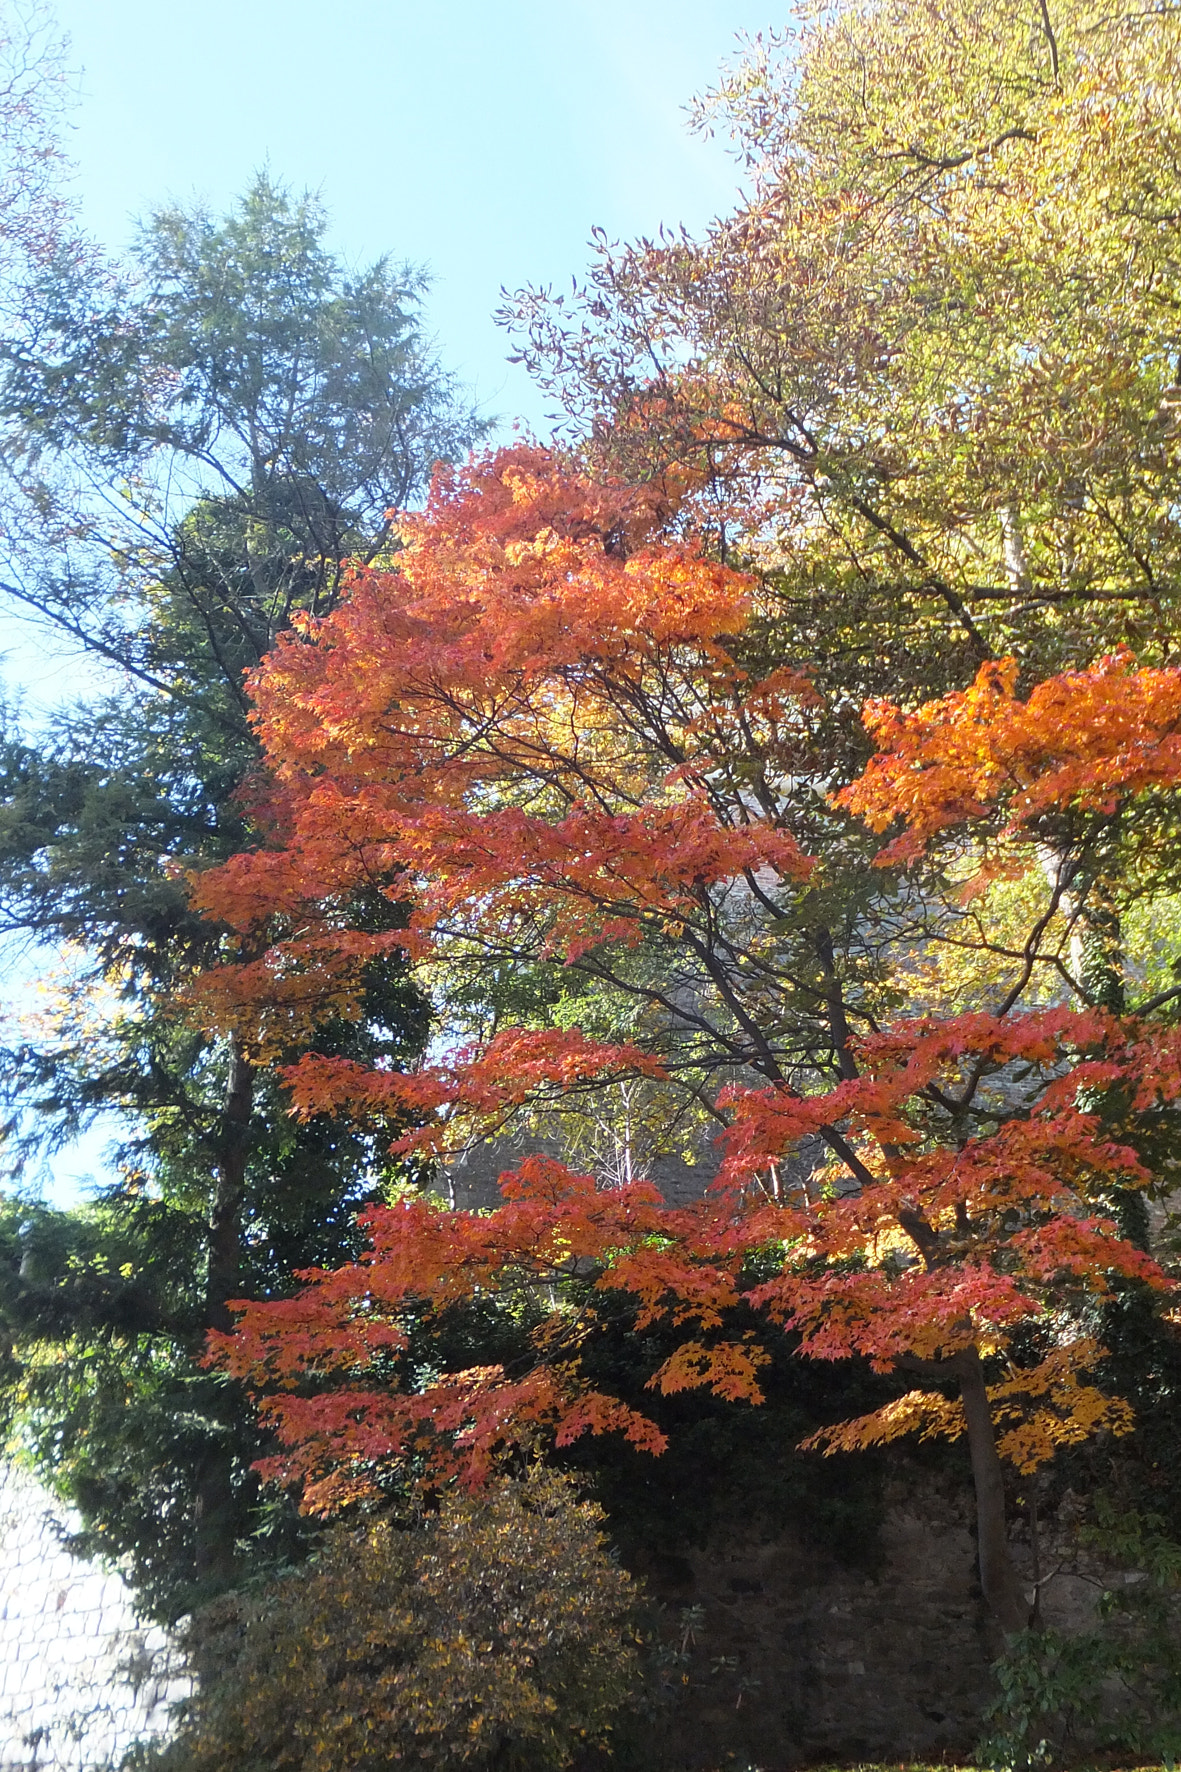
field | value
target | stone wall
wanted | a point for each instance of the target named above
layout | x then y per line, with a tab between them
794	1659
82	1676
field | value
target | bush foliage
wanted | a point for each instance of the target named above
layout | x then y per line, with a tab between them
496	1633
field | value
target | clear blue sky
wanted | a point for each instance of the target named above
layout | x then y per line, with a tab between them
482	140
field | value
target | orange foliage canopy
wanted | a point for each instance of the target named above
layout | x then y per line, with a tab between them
941	1252
1083	741
539	734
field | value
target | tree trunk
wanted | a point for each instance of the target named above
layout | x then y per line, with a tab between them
225	1215
216	1504
1096	939
998	1577
1013	549
838	1021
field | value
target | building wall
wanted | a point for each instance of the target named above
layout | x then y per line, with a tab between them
82	1676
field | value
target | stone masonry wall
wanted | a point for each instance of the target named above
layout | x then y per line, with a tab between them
795	1660
82	1676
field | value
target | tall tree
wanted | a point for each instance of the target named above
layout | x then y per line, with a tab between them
923	379
255	411
236	365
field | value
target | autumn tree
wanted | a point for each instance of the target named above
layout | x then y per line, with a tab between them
542	728
259	409
922	379
924	375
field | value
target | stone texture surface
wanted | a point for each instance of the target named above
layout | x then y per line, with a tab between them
82	1676
794	1659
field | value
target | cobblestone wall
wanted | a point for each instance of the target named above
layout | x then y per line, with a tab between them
81	1675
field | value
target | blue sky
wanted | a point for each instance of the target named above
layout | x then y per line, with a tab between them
484	141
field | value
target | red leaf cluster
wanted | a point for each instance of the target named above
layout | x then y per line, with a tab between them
535	733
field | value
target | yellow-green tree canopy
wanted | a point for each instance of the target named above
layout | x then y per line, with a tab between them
934	354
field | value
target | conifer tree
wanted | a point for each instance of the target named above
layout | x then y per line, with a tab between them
206	440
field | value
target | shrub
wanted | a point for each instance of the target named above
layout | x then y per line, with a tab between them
495	1634
1116	1688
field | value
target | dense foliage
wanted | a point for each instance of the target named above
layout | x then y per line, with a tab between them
776	784
925	375
496	1633
548	739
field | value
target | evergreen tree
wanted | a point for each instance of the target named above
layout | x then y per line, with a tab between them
292	405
